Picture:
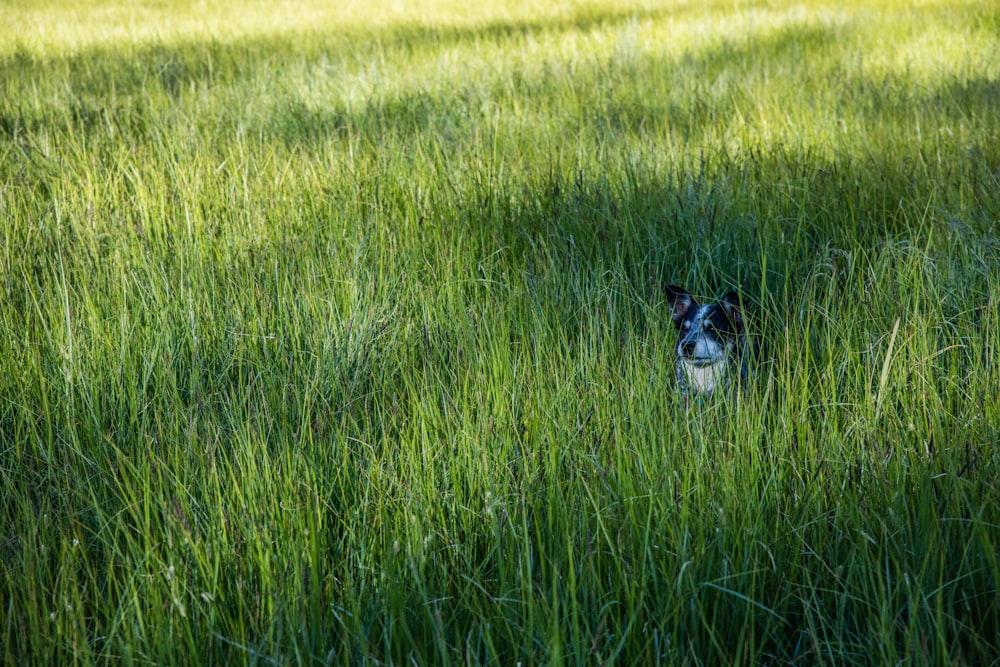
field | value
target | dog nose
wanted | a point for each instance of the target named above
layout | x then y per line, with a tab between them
687	348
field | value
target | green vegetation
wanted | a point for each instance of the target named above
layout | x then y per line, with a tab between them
335	335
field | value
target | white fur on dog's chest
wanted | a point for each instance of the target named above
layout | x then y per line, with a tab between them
703	379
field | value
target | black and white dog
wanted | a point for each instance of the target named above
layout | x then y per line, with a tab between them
712	349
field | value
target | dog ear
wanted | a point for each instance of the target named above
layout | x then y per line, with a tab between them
731	304
680	301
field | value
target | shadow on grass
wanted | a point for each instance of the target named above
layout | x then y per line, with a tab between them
725	208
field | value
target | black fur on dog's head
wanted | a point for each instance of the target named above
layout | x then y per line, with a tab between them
710	339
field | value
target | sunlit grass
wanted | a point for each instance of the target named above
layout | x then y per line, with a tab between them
333	333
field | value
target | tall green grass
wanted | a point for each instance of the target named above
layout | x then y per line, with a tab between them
336	335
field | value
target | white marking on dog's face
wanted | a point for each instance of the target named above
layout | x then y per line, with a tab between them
699	345
704	378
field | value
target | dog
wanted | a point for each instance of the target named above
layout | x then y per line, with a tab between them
712	347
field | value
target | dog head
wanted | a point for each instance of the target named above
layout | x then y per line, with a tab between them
709	334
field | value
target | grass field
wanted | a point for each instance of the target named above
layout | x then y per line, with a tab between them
335	335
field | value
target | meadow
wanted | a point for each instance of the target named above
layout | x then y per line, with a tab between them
336	335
